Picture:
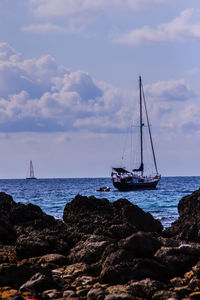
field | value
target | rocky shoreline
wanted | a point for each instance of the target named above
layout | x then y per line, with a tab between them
100	250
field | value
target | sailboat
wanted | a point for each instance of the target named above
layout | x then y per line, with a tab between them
31	171
136	179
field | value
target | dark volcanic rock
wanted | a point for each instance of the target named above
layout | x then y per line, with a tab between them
96	293
89	249
136	269
179	260
117	220
187	227
17	213
133	259
142	244
101	250
31	230
117	235
40	282
145	288
16	274
7	232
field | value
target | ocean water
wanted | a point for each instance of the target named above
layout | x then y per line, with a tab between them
53	194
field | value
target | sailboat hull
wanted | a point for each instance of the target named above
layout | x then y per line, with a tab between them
124	186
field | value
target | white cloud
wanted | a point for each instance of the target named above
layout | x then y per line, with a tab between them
169	104
184	27
38	95
176	90
194	71
82	8
44	28
190	121
76	16
6	52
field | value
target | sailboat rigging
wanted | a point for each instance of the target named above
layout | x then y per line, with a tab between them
31	171
125	180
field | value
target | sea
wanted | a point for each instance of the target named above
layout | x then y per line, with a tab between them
53	194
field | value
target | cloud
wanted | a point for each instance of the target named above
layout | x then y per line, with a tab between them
82	8
189	121
6	52
176	90
169	104
194	71
33	75
77	16
37	95
184	27
44	28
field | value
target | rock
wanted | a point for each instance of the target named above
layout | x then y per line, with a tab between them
145	288
89	215
137	269
16	274
8	293
40	283
187	227
165	295
196	269
33	232
83	281
195	295
178	260
52	294
119	231
132	259
182	291
8	254
69	294
49	239
143	244
117	291
168	242
55	259
135	216
120	296
103	251
178	282
7	232
75	270
194	284
96	294
117	257
189	275
89	249
18	213
82	291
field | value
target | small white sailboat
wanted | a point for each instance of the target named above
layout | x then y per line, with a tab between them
31	172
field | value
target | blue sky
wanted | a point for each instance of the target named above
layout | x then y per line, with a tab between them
69	77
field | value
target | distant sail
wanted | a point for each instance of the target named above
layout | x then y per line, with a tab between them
31	171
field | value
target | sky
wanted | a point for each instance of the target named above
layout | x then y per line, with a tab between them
69	84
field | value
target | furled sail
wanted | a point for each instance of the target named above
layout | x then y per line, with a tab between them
141	168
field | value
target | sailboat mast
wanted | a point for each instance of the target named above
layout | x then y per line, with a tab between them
149	129
141	124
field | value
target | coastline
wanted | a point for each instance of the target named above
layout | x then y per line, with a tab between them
101	250
53	194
